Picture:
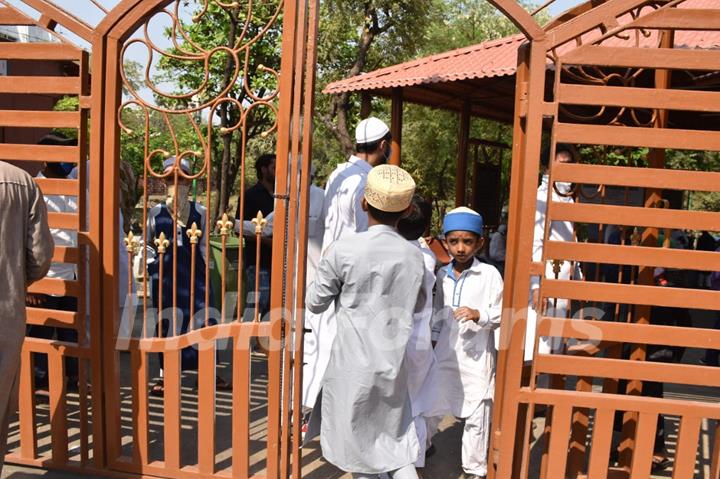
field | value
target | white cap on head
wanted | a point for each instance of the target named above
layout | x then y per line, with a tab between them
370	129
170	162
389	188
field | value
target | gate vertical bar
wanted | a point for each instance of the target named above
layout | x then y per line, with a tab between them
97	102
278	313
509	329
291	244
308	112
526	163
82	270
108	166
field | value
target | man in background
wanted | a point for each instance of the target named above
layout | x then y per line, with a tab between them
258	198
58	270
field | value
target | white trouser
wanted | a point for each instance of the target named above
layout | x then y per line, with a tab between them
407	472
422	434
475	439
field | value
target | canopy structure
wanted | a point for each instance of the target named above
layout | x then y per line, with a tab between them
483	75
479	80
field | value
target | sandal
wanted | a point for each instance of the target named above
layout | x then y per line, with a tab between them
158	389
660	463
220	384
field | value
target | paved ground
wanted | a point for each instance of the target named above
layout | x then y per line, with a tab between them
445	464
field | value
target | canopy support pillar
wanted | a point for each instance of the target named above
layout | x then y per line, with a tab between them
396	125
463	145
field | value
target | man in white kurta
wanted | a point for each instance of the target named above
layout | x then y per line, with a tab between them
559	231
372	280
343	215
316	227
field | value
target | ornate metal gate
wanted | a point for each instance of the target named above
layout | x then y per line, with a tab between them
623	79
113	423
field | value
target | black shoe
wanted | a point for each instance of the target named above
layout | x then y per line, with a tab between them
430	451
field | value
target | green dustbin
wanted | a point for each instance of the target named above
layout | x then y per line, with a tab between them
232	295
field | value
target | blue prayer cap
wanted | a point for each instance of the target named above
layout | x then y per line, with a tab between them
463	219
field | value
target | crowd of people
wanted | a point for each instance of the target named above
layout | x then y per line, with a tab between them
394	342
395	339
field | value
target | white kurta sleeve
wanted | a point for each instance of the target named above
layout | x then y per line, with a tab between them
361	217
490	316
327	284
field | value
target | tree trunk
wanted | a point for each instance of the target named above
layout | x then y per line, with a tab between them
341	102
223	199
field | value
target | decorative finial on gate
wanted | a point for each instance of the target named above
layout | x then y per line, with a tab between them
225	225
131	244
194	233
161	243
259	223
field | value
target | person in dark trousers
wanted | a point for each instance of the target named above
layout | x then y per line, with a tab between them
59	271
180	298
259	197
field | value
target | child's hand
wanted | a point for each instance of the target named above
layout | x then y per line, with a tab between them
466	314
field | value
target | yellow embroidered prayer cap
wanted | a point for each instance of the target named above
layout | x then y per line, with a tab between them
389	188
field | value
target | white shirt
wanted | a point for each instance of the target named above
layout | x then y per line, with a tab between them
559	230
316	229
465	350
343	196
68	238
419	352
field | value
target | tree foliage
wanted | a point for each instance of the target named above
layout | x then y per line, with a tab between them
354	38
256	39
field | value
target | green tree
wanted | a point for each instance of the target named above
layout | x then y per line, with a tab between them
256	39
356	37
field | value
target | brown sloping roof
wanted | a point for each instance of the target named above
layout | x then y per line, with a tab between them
485	60
482	73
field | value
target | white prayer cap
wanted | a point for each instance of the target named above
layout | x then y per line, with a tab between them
370	129
170	162
389	188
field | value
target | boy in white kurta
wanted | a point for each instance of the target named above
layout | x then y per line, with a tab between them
468	302
373	281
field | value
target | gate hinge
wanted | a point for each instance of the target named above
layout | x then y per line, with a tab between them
495	452
523	98
537	268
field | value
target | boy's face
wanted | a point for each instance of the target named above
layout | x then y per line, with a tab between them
463	245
